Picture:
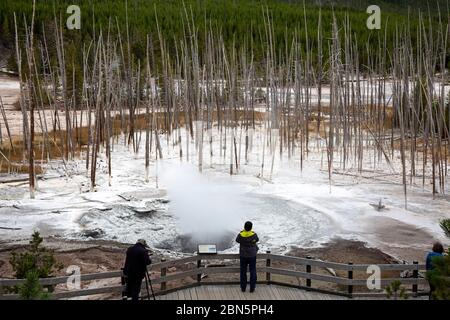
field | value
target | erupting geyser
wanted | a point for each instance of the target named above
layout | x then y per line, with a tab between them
207	212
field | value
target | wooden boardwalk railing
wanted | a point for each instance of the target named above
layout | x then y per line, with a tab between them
194	270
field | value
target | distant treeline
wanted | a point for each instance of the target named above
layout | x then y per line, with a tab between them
239	22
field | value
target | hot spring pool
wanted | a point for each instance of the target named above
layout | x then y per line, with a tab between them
279	223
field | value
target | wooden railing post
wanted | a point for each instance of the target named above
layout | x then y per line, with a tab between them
415	276
163	274
350	277
199	275
308	270
268	264
123	283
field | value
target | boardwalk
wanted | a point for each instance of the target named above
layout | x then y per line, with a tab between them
233	292
348	282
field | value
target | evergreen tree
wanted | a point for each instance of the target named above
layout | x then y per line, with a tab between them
439	277
32	289
395	290
445	225
35	259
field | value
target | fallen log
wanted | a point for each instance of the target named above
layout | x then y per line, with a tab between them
39	177
7	228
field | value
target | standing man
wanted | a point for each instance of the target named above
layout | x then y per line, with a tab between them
437	251
135	268
248	249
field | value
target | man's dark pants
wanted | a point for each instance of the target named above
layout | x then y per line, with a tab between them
251	263
134	288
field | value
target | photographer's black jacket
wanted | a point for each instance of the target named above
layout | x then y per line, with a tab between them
136	261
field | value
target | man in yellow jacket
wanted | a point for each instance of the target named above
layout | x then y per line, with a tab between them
248	249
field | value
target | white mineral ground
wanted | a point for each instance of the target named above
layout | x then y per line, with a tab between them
290	209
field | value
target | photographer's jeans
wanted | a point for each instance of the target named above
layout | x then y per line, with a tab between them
251	263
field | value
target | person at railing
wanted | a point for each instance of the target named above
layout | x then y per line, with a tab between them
135	268
248	249
437	251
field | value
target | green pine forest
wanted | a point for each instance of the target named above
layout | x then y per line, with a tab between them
240	22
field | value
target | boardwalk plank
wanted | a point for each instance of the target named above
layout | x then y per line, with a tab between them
298	294
167	297
209	293
214	293
193	293
253	296
239	293
227	293
273	293
236	290
290	294
199	292
277	293
269	293
284	295
233	292
187	294
203	292
236	293
181	295
164	297
173	296
264	293
221	293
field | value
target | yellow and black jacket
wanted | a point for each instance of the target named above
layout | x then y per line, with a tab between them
248	247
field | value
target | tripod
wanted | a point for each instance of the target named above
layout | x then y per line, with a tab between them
147	282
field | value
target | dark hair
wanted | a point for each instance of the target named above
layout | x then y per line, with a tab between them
248	226
437	247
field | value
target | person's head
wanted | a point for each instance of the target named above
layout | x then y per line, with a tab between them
248	226
437	247
143	242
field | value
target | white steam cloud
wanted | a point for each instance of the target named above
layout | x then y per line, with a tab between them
206	211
